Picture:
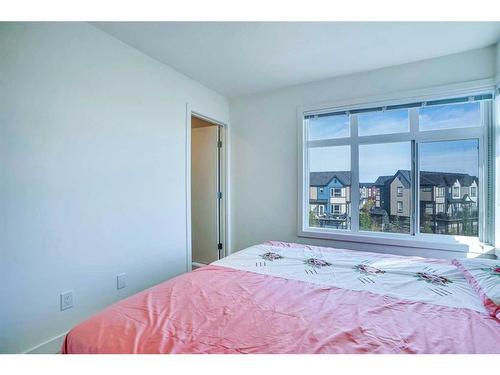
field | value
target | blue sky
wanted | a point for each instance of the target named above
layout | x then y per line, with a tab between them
385	159
322	159
454	156
430	118
450	116
328	127
385	122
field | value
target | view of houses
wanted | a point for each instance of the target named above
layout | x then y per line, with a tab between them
448	202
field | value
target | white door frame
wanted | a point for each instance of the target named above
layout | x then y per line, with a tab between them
225	182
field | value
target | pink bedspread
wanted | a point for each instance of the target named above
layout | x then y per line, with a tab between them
219	309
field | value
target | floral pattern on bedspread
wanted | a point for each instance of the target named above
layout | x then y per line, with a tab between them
318	263
270	256
368	270
493	271
431	281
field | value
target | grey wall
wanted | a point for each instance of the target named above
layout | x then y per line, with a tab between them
92	143
264	141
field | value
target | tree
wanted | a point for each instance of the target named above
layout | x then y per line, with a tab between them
426	224
313	219
365	219
467	229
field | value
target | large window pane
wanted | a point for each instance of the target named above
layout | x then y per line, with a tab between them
327	127
383	122
450	116
449	187
385	187
330	187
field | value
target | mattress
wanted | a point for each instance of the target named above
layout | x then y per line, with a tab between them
280	297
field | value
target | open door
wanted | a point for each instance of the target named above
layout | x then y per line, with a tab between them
206	191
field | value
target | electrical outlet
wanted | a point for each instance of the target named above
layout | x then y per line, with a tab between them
66	300
121	281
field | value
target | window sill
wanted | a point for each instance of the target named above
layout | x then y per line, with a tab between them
422	241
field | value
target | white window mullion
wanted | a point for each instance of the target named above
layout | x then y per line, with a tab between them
413	115
303	206
495	181
485	189
415	190
483	201
354	174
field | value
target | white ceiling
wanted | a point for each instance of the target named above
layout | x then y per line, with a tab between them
239	58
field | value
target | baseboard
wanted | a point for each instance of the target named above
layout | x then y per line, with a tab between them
197	265
51	346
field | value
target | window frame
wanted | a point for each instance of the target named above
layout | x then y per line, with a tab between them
415	136
333	192
333	210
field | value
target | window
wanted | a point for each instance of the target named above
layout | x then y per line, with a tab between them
329	167
337	192
378	165
336	209
400	169
454	163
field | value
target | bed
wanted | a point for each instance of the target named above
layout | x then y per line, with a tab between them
281	297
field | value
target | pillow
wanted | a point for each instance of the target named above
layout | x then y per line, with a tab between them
484	276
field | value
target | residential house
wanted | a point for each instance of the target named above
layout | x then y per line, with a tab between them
448	201
330	197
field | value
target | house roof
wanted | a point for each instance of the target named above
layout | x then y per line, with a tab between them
324	178
426	178
381	180
404	176
446	179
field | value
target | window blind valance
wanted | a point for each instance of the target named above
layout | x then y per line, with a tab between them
458	100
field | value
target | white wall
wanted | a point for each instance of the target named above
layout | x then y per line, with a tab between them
92	142
264	141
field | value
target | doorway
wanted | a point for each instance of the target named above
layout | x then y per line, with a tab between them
207	203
